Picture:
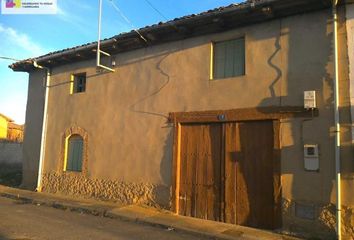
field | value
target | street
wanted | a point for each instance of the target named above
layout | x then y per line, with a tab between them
19	221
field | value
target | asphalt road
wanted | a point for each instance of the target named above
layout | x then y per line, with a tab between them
19	221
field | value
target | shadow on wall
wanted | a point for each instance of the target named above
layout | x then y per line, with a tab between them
309	67
166	161
256	177
163	192
133	107
135	57
310	209
2	237
317	74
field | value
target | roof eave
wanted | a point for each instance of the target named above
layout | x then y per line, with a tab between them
6	118
186	27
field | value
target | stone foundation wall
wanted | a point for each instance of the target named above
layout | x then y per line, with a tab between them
76	184
316	221
310	220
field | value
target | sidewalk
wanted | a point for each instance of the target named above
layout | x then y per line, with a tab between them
142	215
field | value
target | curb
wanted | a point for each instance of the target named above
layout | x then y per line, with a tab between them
54	204
166	227
108	213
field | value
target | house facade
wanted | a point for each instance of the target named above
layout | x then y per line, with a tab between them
11	138
206	118
10	130
15	132
4	121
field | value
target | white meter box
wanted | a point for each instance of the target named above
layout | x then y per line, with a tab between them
311	157
310	99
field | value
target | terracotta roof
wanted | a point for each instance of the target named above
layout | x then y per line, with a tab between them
15	126
7	118
212	21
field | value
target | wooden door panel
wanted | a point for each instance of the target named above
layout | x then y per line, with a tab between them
200	206
230	172
254	171
186	174
200	171
213	174
249	174
246	152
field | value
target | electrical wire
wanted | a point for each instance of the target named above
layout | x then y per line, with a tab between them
162	15
127	19
155	8
11	59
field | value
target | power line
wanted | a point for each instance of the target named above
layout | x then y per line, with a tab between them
11	59
127	20
162	15
155	8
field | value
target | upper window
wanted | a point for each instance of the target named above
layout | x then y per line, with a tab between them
229	59
74	153
78	83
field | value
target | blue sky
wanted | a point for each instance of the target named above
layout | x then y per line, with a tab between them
24	36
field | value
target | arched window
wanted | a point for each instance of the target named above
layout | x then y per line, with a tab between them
74	153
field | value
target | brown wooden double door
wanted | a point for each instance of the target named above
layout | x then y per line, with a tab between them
230	172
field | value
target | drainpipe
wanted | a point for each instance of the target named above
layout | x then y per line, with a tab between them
44	126
336	121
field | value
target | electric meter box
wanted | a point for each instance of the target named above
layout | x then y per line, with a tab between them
310	99
311	157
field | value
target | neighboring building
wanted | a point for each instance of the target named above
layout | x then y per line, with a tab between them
11	138
15	132
206	118
9	130
4	121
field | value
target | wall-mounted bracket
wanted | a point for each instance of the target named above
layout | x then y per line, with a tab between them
99	51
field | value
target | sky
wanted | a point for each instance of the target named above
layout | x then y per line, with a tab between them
25	36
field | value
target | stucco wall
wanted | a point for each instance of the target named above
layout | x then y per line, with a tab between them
33	129
124	113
